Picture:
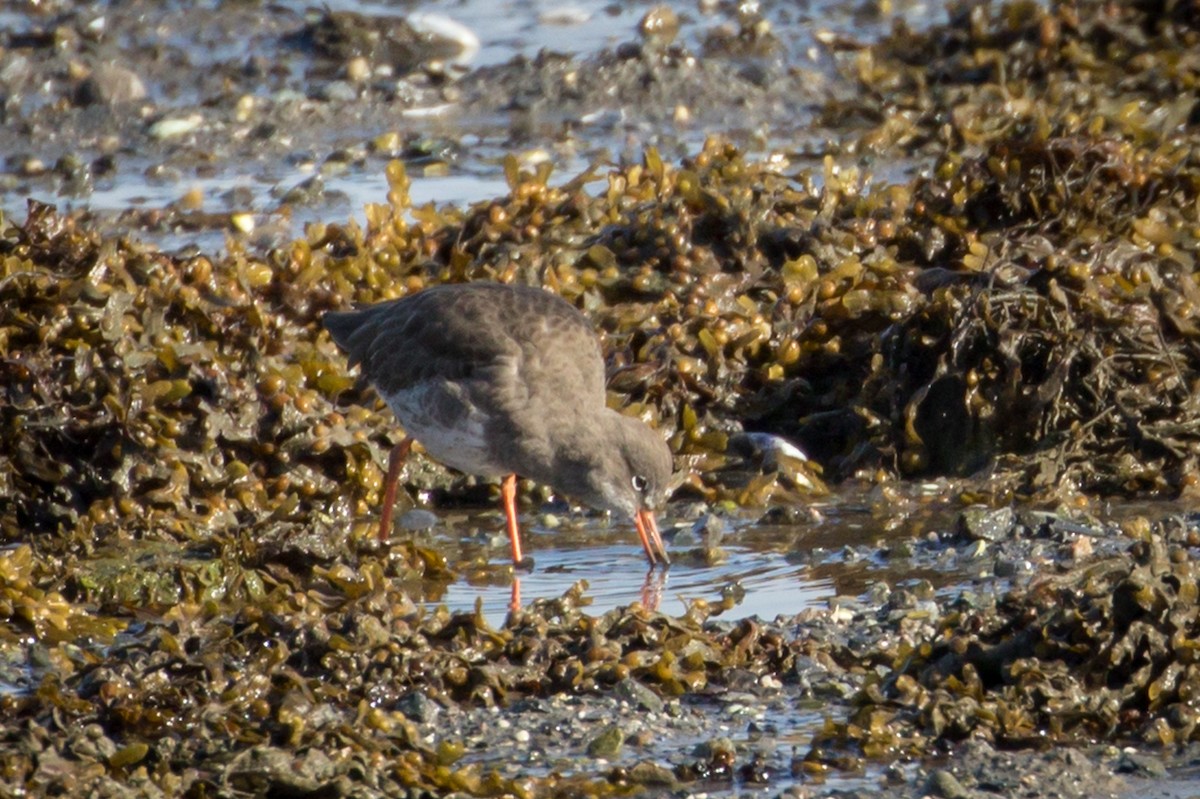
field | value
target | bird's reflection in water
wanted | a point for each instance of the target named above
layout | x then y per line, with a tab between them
653	587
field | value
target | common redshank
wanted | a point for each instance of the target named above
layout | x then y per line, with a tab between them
501	381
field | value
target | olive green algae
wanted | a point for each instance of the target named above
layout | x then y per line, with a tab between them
1027	308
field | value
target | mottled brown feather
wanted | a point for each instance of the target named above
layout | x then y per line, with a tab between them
453	331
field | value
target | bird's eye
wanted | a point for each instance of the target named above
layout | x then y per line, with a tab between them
639	483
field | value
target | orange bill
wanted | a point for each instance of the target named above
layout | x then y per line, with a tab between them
652	542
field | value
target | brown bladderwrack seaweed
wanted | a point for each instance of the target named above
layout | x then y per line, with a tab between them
1104	651
1029	304
322	663
899	327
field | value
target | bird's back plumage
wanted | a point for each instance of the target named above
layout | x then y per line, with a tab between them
463	366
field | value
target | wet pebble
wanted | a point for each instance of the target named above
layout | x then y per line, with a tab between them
310	191
709	530
647	772
337	91
418	707
75	174
945	785
417	519
987	524
174	127
16	69
94	743
660	24
607	743
975	550
638	695
161	174
27	166
358	69
564	16
1008	567
715	748
1142	764
110	84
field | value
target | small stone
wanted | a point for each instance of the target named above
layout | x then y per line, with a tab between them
358	69
110	84
976	550
31	166
192	199
418	707
648	773
443	30
173	127
161	174
16	69
242	221
244	109
987	524
389	142
944	784
307	192
627	51
878	594
716	748
660	23
564	16
417	519
1005	567
638	695
129	755
1141	764
338	91
709	530
607	743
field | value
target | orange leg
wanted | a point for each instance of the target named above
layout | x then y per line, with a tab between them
395	462
514	603
508	492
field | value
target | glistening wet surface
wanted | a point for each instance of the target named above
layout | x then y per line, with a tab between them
454	147
756	583
740	567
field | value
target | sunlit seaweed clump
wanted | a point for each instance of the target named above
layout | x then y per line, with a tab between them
1027	307
1105	651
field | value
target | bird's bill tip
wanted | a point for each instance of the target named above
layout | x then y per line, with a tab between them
652	542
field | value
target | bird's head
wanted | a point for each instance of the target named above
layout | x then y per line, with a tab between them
632	478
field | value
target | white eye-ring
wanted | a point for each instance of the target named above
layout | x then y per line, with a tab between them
639	483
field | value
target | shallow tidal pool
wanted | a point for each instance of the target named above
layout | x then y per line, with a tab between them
737	566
